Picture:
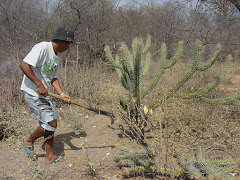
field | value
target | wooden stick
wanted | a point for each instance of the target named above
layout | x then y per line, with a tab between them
98	111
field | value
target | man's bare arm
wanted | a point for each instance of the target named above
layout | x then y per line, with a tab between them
27	70
55	83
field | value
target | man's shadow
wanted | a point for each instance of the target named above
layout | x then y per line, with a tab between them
61	139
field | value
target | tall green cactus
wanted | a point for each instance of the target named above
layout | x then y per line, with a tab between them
132	66
130	70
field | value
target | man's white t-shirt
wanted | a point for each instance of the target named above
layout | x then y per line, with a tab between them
44	64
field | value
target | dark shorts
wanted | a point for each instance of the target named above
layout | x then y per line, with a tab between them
42	113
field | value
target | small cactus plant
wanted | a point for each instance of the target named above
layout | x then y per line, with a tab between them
199	167
140	163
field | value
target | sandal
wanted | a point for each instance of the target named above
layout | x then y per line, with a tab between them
30	154
57	160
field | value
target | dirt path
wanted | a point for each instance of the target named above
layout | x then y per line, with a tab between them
90	154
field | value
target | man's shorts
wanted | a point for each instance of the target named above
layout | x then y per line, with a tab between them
42	113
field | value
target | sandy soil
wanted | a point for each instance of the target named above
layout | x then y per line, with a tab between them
90	154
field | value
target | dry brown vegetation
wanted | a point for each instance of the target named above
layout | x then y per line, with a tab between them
87	76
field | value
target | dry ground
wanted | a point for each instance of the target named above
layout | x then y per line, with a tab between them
90	154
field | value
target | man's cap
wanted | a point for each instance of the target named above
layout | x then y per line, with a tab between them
64	34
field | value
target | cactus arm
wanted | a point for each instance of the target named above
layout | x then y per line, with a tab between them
236	103
141	87
147	63
211	86
126	82
126	149
225	170
136	170
223	100
173	90
202	165
137	70
184	79
136	162
124	105
134	50
187	163
213	59
133	156
125	60
148	44
119	72
175	58
221	162
131	61
160	71
110	57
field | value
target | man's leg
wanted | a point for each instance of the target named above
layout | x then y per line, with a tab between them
39	132
49	136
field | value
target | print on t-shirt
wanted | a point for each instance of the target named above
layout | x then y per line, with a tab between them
49	70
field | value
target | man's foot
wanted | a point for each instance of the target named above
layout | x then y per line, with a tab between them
29	149
55	159
28	144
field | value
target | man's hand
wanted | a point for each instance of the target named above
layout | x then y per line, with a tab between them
67	98
42	91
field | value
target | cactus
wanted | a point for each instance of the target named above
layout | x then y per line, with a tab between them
199	167
129	68
132	70
139	163
134	155
148	170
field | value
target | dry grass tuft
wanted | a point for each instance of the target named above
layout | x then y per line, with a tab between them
16	122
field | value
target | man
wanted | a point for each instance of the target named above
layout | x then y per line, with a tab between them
40	75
